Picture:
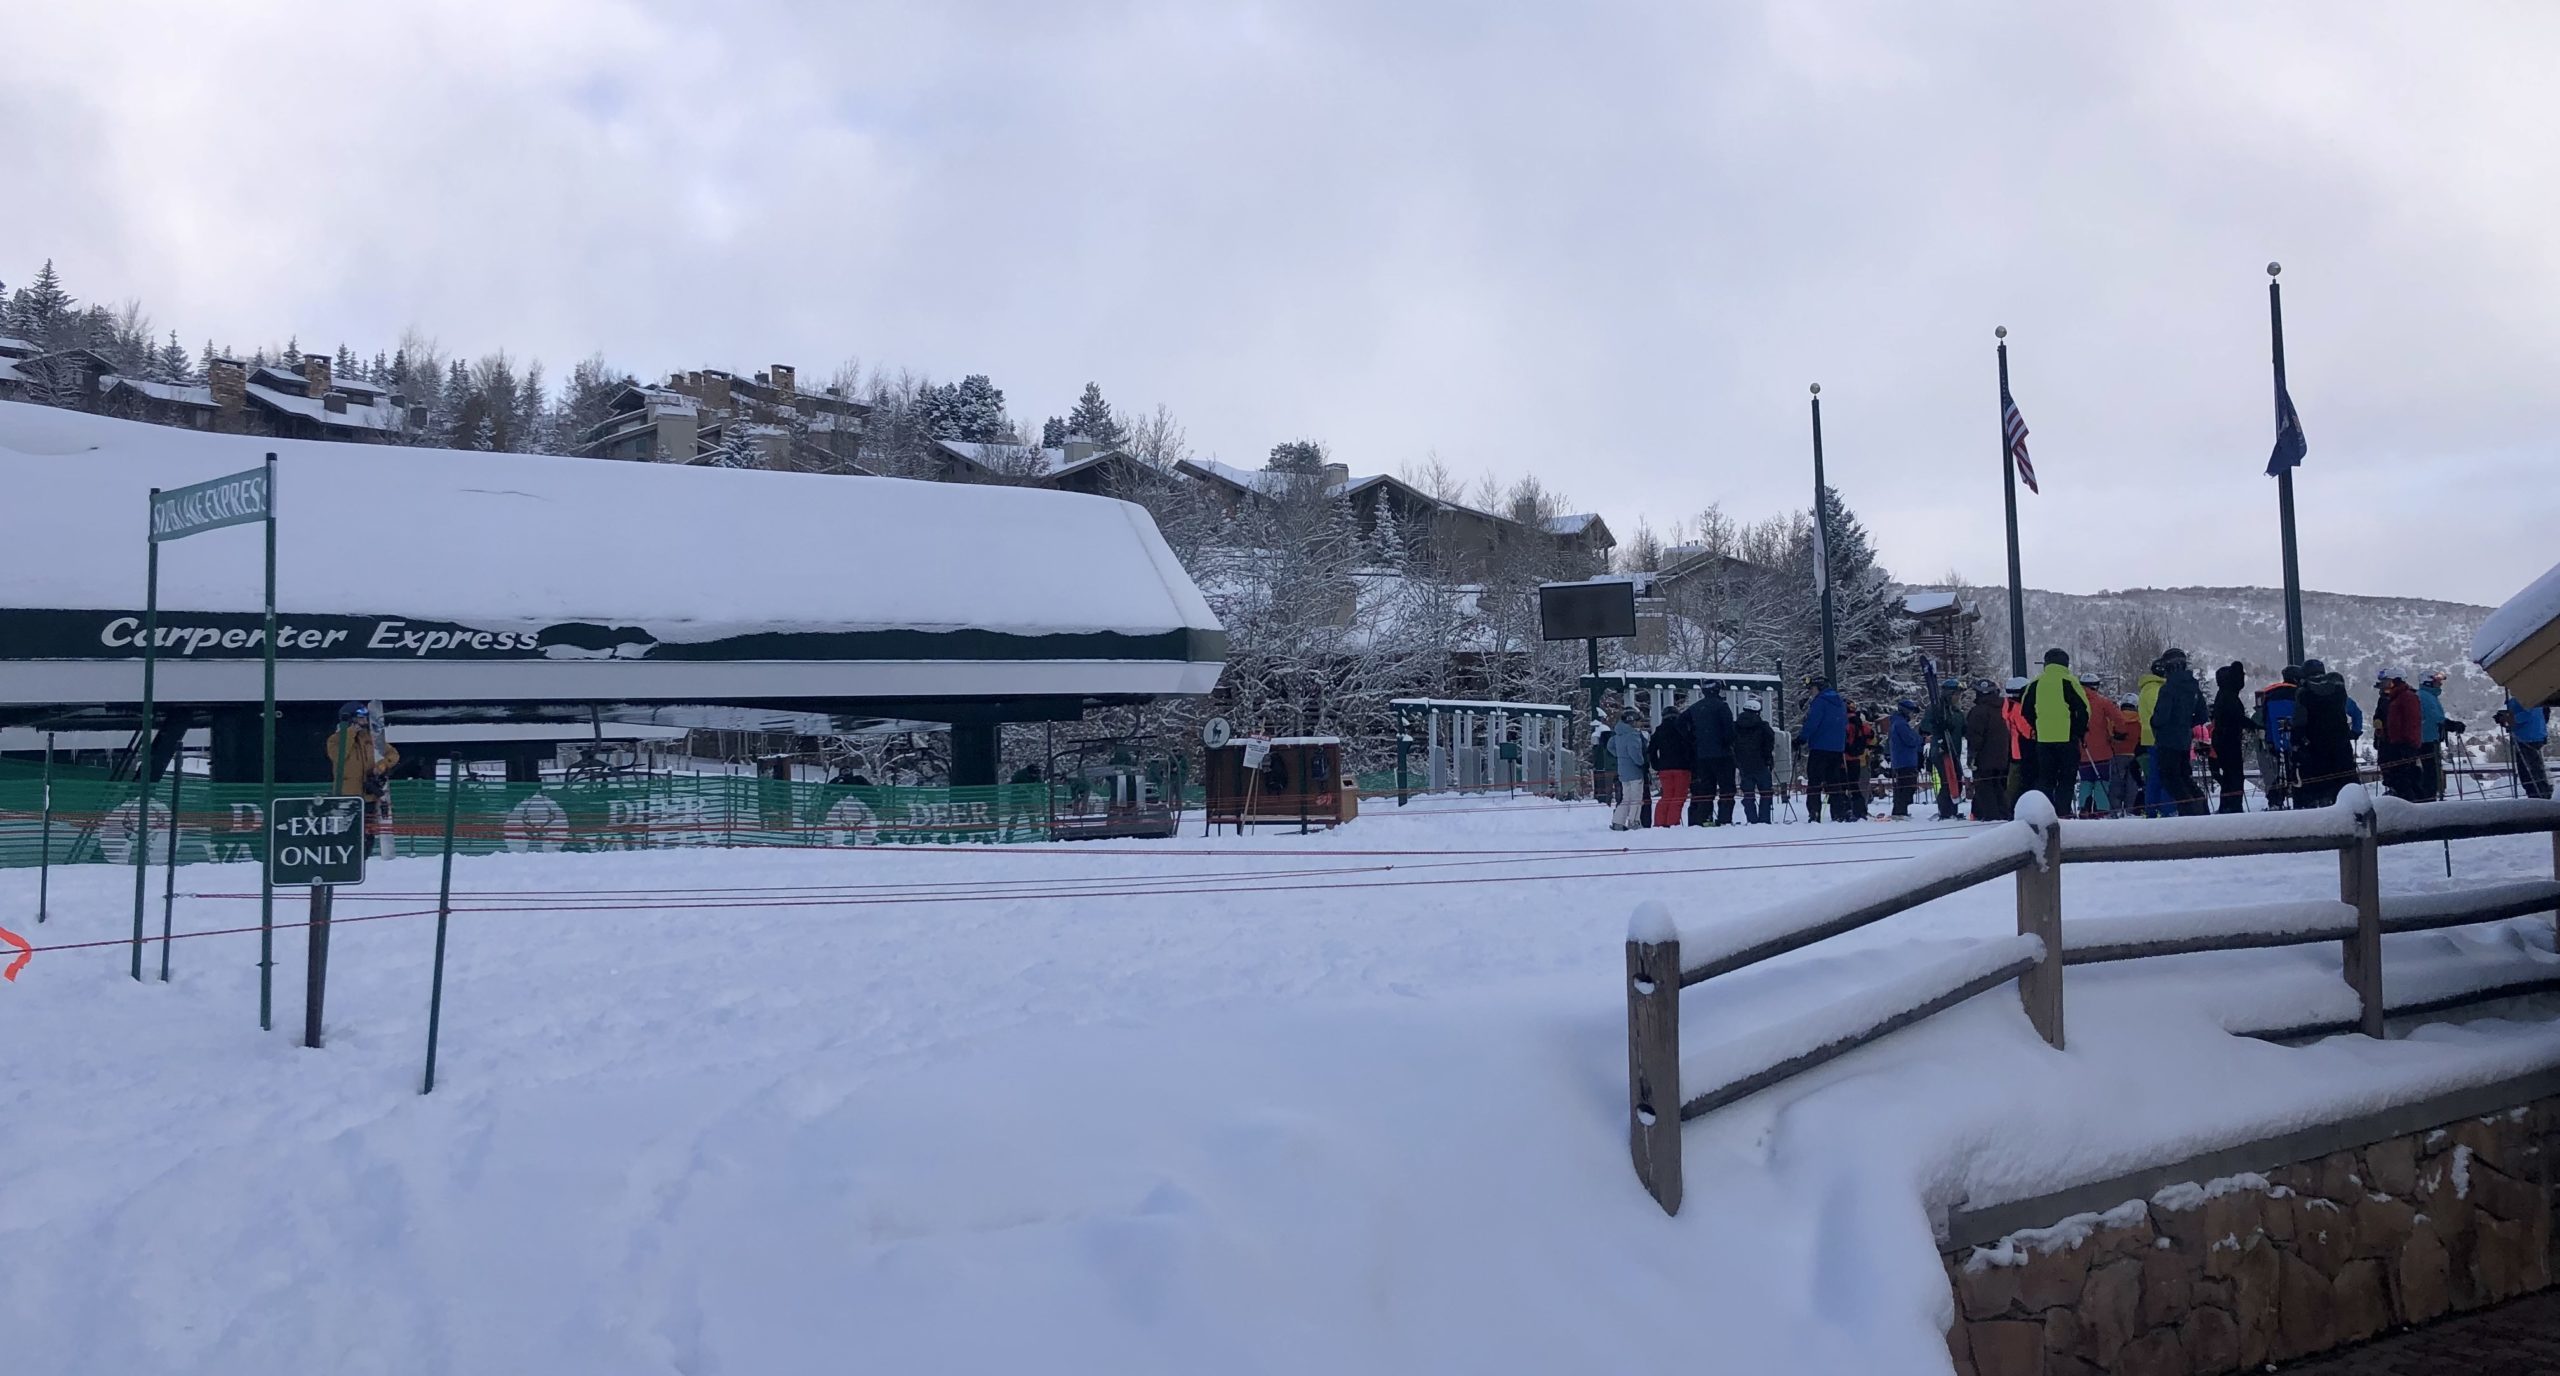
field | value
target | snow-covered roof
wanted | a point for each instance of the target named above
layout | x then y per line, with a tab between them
1923	603
1574	524
841	573
2515	622
1051	463
288	377
13	347
2519	644
377	416
1266	481
177	393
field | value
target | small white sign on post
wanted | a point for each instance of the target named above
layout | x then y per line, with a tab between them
1255	752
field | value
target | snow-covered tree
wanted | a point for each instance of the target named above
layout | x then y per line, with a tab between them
971	409
43	311
1094	419
171	365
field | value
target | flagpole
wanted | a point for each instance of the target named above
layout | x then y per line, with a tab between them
2293	649
2009	495
1822	548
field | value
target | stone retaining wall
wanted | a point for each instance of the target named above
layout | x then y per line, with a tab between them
2228	1275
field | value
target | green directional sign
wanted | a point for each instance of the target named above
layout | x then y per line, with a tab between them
317	841
236	500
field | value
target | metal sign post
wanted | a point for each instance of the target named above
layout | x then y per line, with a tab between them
177	513
44	852
319	842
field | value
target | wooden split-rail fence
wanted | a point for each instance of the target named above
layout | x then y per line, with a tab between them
2034	848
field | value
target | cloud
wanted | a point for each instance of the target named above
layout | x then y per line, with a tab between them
1609	244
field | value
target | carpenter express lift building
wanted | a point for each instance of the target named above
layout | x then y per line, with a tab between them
466	587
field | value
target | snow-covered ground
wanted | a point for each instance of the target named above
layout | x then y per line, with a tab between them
1351	1102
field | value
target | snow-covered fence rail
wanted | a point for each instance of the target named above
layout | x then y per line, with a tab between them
1663	960
2029	847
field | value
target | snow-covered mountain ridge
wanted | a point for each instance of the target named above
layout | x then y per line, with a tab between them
2355	635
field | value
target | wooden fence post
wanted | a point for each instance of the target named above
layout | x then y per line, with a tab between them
2040	915
2360	883
1653	1053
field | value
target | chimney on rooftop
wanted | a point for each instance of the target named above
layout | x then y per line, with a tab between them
1079	448
786	380
315	375
335	403
1337	475
229	380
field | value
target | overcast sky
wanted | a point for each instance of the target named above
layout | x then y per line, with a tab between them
1607	244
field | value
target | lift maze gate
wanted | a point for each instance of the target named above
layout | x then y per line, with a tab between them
1449	744
94	820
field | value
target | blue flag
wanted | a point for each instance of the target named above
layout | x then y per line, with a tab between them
2289	445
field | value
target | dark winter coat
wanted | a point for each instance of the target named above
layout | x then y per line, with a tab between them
1902	743
1710	727
2229	716
2179	709
1755	744
1826	722
2320	728
1671	747
1986	733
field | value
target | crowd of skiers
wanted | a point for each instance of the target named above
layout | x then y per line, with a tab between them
2166	749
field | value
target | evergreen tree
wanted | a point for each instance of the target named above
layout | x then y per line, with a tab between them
171	366
1093	419
738	447
533	413
1297	456
1053	433
345	365
971	409
457	415
43	312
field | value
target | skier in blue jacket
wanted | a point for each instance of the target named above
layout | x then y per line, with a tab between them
1902	755
1825	734
2529	729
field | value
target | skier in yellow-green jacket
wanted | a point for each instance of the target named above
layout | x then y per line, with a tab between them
2059	711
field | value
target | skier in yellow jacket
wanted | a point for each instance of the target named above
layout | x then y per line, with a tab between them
360	763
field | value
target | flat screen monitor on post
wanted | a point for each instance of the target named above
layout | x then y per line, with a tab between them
1602	609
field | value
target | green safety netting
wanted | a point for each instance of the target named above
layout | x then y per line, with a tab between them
94	819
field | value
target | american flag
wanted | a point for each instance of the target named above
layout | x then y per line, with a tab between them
2015	426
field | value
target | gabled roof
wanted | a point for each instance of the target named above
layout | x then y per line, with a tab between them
13	347
376	417
286	377
1051	463
174	393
